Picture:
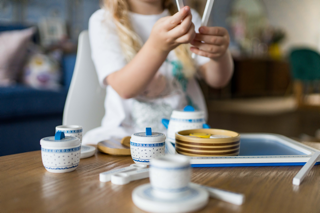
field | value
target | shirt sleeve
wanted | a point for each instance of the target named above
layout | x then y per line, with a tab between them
106	50
200	60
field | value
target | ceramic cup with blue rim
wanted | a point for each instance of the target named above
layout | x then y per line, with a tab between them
189	118
170	176
147	145
70	130
60	153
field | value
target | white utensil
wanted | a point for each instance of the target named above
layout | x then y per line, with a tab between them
124	178
180	4
305	169
230	197
205	17
106	176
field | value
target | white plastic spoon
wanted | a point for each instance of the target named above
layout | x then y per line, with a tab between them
305	169
106	176
124	178
230	197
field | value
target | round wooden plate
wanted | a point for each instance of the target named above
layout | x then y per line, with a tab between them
126	141
185	136
206	145
113	146
210	151
207	155
215	148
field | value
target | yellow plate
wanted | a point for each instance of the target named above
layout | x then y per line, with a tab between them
200	135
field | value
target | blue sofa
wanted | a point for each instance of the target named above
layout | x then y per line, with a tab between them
27	115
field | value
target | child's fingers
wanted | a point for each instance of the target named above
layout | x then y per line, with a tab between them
176	19
183	28
204	53
207	47
187	38
209	39
217	31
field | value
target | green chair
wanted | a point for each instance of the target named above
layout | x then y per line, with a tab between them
305	65
305	69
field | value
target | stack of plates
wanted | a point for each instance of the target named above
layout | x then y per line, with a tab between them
222	143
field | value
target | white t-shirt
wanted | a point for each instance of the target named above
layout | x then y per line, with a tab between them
125	116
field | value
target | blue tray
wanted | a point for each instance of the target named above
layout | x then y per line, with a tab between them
258	150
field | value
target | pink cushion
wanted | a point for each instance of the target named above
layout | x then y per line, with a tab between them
13	53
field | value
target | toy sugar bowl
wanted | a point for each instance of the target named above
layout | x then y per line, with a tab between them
60	153
147	145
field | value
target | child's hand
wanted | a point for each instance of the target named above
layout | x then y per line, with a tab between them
169	32
211	42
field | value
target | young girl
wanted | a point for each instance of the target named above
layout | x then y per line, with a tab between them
142	54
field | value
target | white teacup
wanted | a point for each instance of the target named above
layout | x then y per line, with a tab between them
170	175
71	130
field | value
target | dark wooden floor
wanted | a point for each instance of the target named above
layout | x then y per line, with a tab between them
291	124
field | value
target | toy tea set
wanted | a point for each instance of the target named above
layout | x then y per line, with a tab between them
170	189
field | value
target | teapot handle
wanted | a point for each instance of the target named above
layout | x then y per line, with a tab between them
165	122
205	126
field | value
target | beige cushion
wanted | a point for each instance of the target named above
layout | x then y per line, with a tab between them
13	53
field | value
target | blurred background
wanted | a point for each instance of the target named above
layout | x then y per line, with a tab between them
275	87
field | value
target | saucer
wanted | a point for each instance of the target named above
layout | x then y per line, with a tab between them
195	198
87	151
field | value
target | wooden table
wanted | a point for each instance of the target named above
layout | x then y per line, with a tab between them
25	186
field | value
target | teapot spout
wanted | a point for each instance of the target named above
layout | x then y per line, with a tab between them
165	122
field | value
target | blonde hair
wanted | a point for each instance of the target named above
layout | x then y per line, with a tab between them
131	42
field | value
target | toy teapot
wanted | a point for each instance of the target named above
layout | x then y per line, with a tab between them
184	120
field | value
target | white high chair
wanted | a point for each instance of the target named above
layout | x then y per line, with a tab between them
85	101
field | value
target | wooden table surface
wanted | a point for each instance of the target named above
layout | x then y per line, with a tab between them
25	186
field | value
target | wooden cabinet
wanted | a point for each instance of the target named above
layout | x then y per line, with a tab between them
254	78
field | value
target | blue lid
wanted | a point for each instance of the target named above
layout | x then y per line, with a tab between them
148	131
60	140
148	136
188	109
59	136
